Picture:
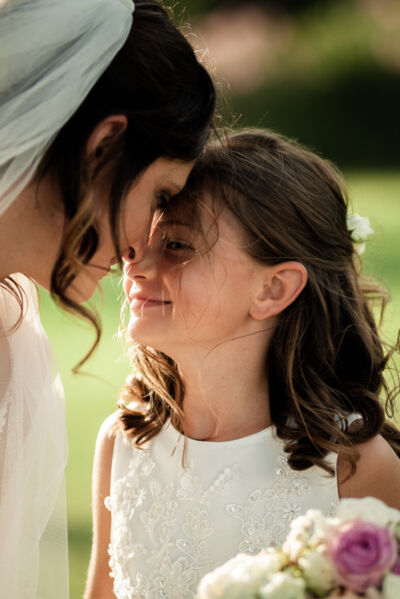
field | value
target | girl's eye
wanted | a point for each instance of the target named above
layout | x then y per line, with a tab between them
178	246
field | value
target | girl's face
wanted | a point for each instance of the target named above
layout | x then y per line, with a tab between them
191	287
162	179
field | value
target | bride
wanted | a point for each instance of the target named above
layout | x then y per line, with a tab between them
102	111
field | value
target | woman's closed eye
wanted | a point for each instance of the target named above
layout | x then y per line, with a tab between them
163	198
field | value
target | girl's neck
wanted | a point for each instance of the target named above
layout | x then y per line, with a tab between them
226	392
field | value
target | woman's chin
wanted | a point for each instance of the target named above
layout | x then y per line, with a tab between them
82	289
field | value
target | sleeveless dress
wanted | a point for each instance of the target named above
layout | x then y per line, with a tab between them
171	524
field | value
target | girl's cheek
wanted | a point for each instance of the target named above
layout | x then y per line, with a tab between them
127	284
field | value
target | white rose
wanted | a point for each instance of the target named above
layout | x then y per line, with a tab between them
305	531
359	227
240	577
283	585
346	594
391	586
317	570
368	509
372	593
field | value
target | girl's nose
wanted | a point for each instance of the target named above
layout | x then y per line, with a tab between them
143	266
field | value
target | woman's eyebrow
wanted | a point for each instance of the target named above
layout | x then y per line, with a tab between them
173	186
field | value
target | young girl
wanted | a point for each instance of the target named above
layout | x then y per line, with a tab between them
258	370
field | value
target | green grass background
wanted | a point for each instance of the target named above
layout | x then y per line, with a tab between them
91	398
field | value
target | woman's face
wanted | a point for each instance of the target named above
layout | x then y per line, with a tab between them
162	179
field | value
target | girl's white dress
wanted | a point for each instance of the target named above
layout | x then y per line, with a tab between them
173	524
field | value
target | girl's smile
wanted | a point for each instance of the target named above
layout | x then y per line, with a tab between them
189	288
139	301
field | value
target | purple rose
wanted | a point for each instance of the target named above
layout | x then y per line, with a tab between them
362	552
396	567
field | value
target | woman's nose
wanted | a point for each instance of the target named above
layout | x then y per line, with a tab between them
135	253
129	254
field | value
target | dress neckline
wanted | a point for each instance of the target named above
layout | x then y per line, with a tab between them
252	439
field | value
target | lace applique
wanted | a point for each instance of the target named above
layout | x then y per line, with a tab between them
332	509
174	555
190	485
162	510
4	403
196	530
267	513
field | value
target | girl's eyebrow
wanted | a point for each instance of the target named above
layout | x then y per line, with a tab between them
176	222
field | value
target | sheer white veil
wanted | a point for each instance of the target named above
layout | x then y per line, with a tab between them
51	54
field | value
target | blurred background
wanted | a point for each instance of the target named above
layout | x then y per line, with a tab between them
326	72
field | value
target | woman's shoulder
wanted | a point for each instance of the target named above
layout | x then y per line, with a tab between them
377	473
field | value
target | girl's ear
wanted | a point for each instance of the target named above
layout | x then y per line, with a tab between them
281	284
108	129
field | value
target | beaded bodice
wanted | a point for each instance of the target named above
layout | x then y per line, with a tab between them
171	524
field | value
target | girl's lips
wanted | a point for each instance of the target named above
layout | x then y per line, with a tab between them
146	302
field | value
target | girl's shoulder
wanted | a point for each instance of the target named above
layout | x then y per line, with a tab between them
377	473
107	429
105	441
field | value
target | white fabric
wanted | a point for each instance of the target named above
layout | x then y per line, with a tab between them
170	525
51	54
33	452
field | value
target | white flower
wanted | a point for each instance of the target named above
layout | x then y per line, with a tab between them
240	577
283	585
368	509
305	532
318	571
391	586
346	594
371	593
359	228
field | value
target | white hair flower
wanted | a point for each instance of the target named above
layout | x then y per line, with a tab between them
360	229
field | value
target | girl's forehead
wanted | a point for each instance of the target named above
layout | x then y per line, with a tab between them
194	209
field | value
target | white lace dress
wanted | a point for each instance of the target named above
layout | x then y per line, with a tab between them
171	525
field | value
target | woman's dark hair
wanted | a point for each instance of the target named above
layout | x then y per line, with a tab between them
168	99
326	359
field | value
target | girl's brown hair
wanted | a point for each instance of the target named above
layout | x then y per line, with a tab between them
168	99
326	359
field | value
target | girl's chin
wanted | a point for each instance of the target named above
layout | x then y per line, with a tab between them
138	332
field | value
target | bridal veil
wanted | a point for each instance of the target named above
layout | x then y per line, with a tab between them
51	54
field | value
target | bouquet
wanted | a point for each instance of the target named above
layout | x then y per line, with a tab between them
355	554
